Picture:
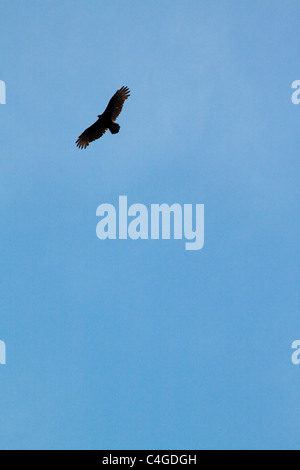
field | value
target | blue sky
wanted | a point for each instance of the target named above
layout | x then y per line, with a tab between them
141	344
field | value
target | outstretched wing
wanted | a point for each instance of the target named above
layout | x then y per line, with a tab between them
89	135
116	103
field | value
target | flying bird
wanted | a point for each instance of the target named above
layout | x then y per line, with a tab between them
105	120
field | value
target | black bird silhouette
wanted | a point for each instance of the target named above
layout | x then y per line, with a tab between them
105	120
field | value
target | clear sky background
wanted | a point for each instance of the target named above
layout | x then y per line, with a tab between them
141	345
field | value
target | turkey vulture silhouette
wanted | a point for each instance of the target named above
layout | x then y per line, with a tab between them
105	120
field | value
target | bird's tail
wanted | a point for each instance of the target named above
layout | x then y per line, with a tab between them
114	128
